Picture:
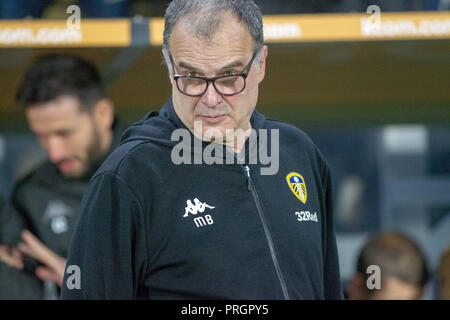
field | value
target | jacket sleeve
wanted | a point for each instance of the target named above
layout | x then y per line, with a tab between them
333	290
108	252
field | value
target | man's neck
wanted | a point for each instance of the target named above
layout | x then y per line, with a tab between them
107	141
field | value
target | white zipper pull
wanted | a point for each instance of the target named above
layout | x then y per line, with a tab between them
247	169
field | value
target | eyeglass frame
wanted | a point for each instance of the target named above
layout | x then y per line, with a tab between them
213	79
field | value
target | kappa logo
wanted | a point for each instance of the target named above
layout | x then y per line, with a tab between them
297	185
198	207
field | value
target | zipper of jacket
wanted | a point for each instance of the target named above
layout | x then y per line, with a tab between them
273	254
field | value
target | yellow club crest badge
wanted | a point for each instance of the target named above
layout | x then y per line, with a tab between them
297	185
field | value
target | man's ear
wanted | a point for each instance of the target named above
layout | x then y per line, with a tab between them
103	113
262	64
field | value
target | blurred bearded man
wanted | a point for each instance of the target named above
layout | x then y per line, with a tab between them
73	120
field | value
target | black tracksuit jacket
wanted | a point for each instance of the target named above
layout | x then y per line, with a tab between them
151	229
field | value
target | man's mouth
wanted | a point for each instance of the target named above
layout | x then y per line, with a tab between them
213	119
67	165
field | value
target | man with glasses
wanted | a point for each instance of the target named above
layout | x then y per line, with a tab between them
155	228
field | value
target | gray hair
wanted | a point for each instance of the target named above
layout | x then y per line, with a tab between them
209	10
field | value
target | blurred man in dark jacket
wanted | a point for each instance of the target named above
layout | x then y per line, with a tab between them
67	109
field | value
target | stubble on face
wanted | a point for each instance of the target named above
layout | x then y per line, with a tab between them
94	153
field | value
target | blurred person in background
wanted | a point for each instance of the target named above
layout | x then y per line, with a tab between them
67	110
443	276
404	271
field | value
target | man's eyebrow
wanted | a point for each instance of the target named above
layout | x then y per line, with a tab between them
231	65
185	65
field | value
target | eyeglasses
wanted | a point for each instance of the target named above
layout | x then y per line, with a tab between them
228	85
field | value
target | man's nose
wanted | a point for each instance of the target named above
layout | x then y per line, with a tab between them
56	149
211	97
